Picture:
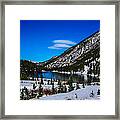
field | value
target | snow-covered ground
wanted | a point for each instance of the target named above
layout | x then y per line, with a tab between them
26	83
79	94
29	84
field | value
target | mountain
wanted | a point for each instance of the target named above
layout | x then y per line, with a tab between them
84	55
83	58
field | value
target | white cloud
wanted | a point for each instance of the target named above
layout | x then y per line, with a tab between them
53	47
64	41
59	44
62	45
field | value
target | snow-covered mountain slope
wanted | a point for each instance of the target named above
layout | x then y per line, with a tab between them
76	58
79	94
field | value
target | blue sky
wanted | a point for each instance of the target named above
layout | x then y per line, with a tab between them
42	39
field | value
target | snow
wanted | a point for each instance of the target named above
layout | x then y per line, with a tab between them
79	94
27	83
86	68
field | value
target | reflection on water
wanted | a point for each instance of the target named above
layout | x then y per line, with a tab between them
75	77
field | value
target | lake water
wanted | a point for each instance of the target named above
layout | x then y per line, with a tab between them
74	77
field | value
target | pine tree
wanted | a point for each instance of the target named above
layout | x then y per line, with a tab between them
77	86
70	84
53	90
41	76
40	90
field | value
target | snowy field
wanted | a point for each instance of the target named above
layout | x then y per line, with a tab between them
88	93
80	94
29	84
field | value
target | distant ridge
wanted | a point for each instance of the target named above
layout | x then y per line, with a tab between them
83	57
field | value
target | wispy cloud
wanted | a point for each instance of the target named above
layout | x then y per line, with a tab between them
62	45
64	41
59	44
53	47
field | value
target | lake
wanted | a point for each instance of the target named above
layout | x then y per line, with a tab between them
74	77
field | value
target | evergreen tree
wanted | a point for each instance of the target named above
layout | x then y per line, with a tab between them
70	81
53	90
40	90
77	86
98	92
41	76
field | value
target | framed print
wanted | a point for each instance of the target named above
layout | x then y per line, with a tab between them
60	59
